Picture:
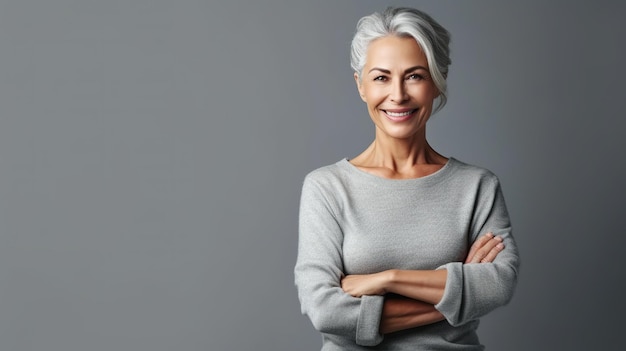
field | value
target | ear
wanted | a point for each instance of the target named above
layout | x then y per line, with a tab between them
359	86
437	91
445	76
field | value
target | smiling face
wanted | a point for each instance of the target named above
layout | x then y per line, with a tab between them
397	87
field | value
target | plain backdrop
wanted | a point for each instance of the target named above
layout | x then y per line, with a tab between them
152	154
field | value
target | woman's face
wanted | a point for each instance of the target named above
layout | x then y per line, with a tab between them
397	87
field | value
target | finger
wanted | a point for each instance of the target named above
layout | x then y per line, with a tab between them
485	249
479	243
491	256
344	283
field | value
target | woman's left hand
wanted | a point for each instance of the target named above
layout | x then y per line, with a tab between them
358	285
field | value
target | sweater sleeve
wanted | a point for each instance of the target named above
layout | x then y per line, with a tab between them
473	290
319	269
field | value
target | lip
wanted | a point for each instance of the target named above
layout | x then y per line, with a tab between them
402	118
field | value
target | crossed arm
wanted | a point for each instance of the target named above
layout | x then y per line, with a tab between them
412	294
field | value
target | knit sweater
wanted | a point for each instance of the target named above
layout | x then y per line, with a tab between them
353	222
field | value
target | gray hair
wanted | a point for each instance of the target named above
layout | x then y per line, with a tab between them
406	22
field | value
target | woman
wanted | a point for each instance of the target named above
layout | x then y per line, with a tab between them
401	248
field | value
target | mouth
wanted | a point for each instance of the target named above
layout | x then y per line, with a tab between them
399	115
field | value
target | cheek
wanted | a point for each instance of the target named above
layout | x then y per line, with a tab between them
373	99
426	95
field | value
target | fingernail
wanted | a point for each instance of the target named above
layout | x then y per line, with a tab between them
500	246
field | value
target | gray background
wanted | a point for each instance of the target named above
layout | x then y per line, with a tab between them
152	153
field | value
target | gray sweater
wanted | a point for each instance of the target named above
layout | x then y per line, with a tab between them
353	222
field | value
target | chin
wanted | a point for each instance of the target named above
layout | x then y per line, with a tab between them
400	133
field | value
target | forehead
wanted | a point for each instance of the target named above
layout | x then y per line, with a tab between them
395	52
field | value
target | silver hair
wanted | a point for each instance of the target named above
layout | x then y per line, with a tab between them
406	22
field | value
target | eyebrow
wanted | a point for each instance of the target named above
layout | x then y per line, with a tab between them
386	71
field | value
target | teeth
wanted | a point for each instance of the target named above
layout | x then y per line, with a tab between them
401	114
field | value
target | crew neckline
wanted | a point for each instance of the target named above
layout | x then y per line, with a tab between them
437	176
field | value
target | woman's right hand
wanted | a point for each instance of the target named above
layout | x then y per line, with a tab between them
485	249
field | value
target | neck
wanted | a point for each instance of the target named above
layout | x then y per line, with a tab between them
396	154
400	158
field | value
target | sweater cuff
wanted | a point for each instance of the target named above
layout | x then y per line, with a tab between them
450	304
368	325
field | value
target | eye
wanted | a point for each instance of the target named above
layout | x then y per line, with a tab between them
415	76
380	78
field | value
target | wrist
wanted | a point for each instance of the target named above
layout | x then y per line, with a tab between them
390	277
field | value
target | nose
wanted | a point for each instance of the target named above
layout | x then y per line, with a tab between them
398	92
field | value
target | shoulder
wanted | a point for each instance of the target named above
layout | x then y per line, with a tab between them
476	174
327	185
329	174
335	182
